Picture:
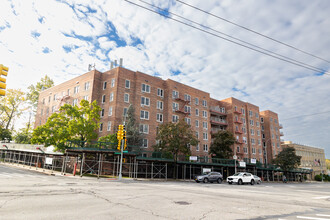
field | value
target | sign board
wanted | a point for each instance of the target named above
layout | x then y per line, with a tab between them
242	164
206	170
194	158
235	157
49	160
254	161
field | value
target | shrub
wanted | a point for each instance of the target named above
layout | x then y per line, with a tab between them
318	178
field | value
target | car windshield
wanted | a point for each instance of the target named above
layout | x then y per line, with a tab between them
238	174
206	173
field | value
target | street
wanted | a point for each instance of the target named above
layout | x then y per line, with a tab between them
27	194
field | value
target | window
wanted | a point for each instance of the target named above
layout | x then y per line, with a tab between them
175	118
205	147
127	84
205	136
244	130
250	113
187	97
175	106
252	131
243	111
262	128
251	122
49	98
204	124
252	141
145	101
126	97
187	120
160	105
237	149
145	88
259	151
245	150
275	120
278	145
110	111
144	115
271	119
160	92
257	115
42	111
259	142
75	102
253	150
104	85
111	97
54	97
197	123
196	101
109	126
197	147
113	83
258	132
197	134
197	112
205	114
101	127
53	108
68	92
204	103
262	120
257	123
244	140
43	101
175	94
102	112
86	97
103	99
125	112
187	109
75	89
159	117
87	86
144	128
263	135
144	143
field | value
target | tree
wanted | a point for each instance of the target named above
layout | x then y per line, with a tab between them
110	138
5	134
11	107
175	139
287	159
23	136
71	123
34	91
221	144
133	135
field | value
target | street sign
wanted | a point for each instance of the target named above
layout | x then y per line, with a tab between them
49	160
206	170
194	158
254	161
242	164
235	157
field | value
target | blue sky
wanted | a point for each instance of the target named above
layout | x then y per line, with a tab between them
60	39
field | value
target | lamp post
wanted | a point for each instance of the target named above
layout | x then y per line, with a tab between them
235	158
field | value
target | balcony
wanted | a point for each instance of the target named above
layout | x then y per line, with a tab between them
182	112
280	126
281	134
237	112
216	130
238	132
238	122
218	111
218	121
239	141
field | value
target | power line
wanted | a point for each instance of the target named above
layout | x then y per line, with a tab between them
213	34
319	113
245	42
255	32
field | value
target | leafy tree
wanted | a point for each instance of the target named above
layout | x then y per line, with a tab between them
175	139
34	91
287	159
110	138
133	135
11	107
327	162
71	123
5	134
23	137
221	144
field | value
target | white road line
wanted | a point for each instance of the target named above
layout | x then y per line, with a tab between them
312	218
321	197
323	215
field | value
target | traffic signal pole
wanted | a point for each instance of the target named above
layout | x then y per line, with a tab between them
121	159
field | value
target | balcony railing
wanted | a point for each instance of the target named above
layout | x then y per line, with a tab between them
281	134
218	110
280	126
238	122
219	121
216	130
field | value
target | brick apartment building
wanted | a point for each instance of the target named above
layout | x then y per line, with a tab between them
159	101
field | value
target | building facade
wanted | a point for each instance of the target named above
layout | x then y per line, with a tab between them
158	101
311	157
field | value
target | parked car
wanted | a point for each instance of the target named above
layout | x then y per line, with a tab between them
241	178
209	177
257	179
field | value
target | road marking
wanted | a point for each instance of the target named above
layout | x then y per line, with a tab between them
323	215
321	197
312	218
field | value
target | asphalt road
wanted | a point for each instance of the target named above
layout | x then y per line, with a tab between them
26	194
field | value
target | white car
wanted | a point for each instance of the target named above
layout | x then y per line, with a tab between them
257	179
241	178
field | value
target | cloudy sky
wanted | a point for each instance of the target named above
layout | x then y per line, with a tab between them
60	39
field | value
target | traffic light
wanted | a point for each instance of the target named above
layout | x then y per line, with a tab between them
3	71
125	144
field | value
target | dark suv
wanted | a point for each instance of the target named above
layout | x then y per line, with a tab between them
209	177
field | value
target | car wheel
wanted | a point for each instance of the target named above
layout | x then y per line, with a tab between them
206	180
252	182
240	182
259	182
219	180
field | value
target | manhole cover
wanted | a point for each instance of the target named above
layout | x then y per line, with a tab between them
182	203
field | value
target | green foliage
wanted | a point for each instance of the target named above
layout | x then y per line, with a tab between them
110	138
133	135
11	107
71	123
175	139
221	144
5	134
287	159
318	177
23	137
34	91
